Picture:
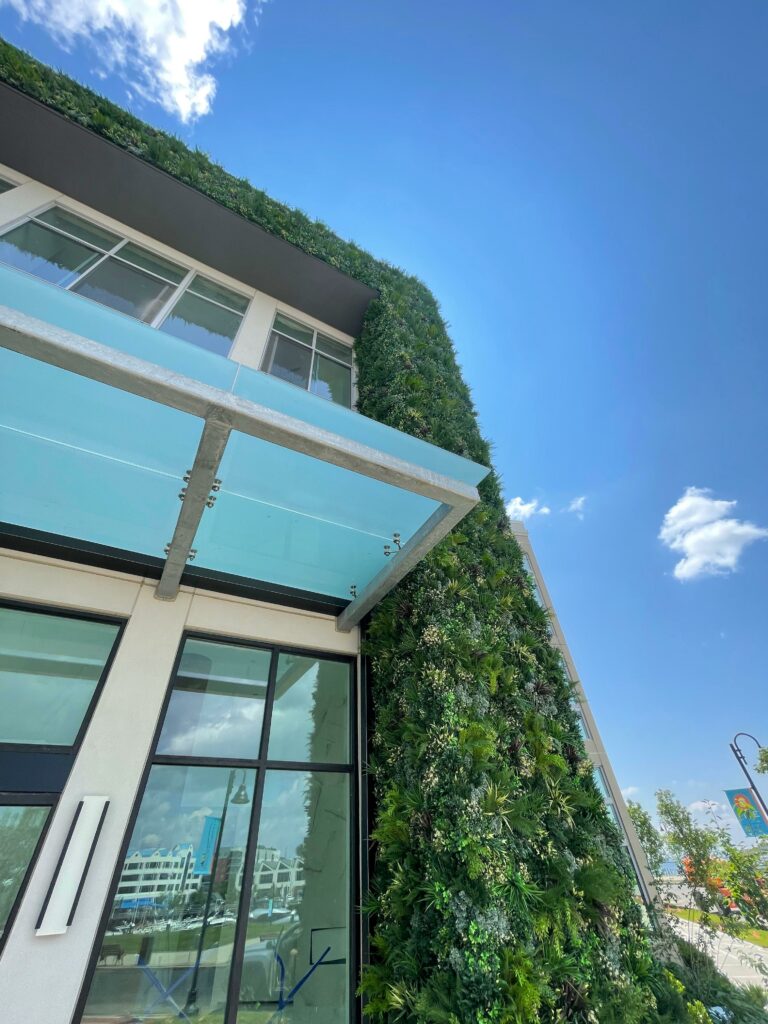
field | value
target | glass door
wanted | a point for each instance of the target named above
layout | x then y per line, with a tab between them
233	899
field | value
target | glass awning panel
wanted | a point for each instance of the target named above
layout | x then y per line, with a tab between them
312	497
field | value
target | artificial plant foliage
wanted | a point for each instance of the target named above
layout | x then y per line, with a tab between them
500	892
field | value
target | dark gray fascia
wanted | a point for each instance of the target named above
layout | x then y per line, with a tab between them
46	146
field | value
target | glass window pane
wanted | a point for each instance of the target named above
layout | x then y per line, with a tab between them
210	290
288	360
217	703
168	943
301	920
47	254
154	264
534	581
203	324
310	715
49	668
334	348
78	227
295	330
20	830
123	287
5	186
581	722
332	381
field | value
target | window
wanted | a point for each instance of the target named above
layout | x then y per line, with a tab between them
602	784
20	830
576	702
51	667
66	250
5	185
251	779
582	722
313	361
533	580
207	315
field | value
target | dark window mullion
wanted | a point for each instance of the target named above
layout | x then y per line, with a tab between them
249	861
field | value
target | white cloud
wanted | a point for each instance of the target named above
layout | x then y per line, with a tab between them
701	528
519	509
162	50
577	506
707	807
629	791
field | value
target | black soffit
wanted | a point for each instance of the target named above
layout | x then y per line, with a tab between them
46	146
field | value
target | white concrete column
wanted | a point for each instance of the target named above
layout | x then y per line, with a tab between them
41	977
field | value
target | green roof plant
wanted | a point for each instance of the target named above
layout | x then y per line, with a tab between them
500	892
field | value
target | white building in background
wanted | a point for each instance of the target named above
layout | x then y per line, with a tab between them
279	877
604	776
158	875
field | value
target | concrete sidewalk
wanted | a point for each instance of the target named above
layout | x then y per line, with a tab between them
737	959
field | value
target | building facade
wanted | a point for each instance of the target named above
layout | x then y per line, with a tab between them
604	775
194	522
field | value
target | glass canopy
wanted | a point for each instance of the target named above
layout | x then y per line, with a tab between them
84	460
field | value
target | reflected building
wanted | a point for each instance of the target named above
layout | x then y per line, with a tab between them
158	875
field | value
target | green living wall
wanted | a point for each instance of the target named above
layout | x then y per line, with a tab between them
499	889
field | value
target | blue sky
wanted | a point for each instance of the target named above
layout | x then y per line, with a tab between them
584	188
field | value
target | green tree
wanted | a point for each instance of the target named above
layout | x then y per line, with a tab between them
649	836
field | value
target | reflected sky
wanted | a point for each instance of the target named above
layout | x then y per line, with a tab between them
177	800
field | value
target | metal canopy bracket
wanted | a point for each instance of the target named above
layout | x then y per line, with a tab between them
224	412
201	480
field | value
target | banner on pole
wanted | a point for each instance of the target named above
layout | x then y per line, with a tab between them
207	846
747	810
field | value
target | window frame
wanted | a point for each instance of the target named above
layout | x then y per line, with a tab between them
314	352
50	798
262	765
191	269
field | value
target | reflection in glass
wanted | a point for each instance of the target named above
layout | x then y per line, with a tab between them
50	666
310	717
45	253
217	703
20	829
218	293
288	360
203	324
293	329
62	219
168	944
126	289
150	261
332	381
299	912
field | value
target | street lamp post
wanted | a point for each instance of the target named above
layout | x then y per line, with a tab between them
241	797
738	753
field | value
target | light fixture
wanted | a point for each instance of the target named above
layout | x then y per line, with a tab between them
241	796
